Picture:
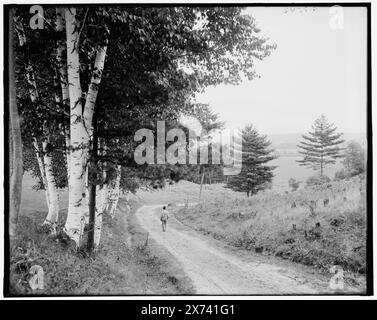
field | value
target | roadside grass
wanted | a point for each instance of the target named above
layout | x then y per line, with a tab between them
297	226
123	264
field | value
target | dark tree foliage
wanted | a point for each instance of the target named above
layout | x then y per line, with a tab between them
255	174
321	146
59	163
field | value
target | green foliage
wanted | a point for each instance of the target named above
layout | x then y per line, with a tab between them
255	154
317	180
321	146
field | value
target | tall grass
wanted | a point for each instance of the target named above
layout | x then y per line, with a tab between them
318	226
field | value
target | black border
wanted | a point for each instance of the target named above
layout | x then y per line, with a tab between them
369	193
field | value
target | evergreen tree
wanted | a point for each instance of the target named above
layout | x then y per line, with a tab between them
254	174
354	160
321	146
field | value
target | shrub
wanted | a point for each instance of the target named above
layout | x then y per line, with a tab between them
293	184
354	161
267	185
317	180
341	175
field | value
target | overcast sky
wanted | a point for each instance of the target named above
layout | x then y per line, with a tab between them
315	69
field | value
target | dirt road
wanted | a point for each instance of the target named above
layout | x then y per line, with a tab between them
214	270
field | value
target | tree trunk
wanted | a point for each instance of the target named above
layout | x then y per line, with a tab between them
85	204
62	70
92	213
89	111
201	184
67	152
321	172
81	126
92	216
15	179
53	210
41	169
100	209
74	224
93	89
113	194
102	193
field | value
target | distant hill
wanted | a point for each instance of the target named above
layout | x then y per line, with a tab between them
286	144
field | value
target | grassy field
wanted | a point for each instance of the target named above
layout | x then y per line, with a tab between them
124	264
293	225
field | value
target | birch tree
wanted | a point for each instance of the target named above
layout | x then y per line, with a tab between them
16	172
113	193
81	126
74	224
43	157
62	73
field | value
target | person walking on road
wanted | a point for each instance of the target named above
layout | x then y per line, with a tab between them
164	218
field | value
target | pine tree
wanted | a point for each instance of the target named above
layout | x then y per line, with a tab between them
254	173
321	146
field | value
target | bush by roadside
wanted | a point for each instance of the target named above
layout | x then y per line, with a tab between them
123	265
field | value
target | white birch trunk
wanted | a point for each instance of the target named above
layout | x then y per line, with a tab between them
53	211
74	224
34	95
62	70
90	102
81	127
86	198
60	50
113	194
100	209
41	169
91	97
67	152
